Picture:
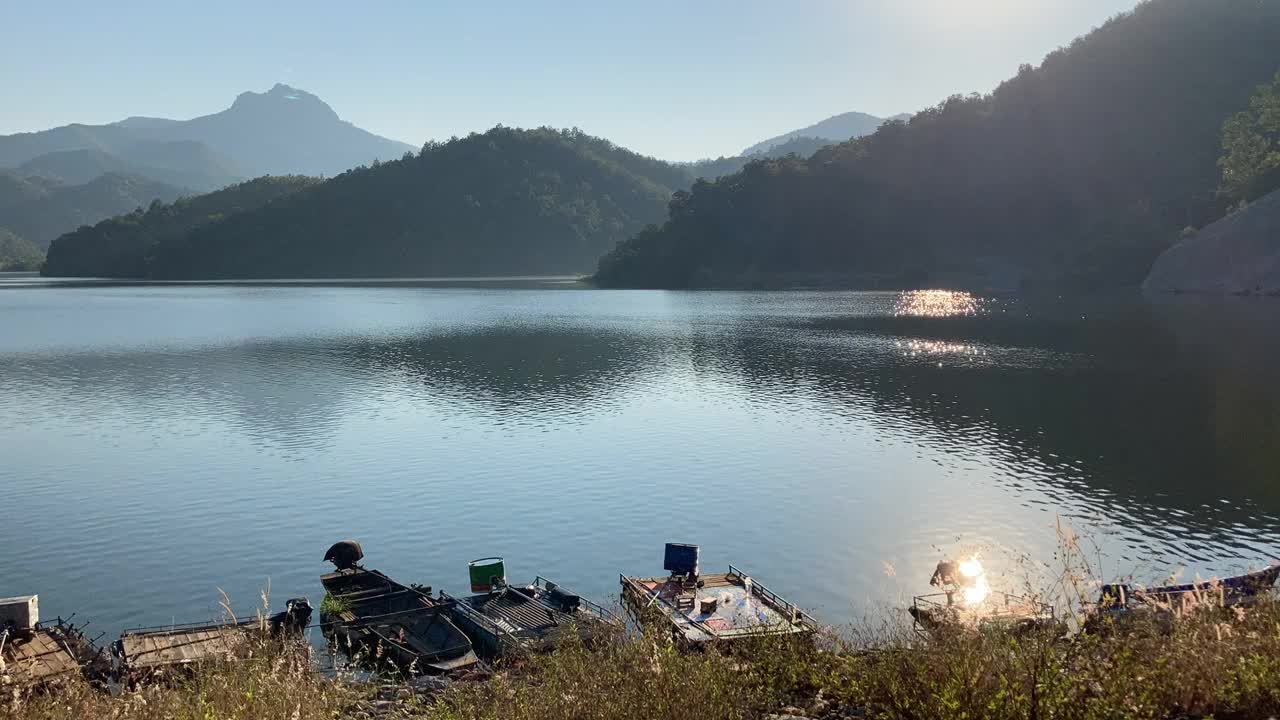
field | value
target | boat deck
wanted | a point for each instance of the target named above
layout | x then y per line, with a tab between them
739	611
393	622
151	648
514	613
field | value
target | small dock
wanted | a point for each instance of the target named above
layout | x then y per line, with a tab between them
36	653
45	654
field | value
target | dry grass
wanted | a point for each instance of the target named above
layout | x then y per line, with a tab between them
274	682
1194	660
1205	663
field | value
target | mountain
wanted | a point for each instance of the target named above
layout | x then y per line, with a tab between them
283	131
138	122
17	254
184	164
17	188
712	169
279	132
506	202
834	129
62	208
120	246
1077	173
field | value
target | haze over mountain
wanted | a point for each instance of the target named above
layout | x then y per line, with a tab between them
282	131
40	210
54	181
185	164
834	129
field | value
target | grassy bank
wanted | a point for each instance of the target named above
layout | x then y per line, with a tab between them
1219	663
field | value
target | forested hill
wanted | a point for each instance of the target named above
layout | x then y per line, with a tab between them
1078	172
122	246
504	202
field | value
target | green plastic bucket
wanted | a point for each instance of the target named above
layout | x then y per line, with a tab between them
484	571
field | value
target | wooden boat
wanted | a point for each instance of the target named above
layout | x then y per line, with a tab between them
968	602
700	609
378	621
511	619
1227	592
144	651
1118	601
943	611
46	653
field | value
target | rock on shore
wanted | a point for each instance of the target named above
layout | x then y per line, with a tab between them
1237	255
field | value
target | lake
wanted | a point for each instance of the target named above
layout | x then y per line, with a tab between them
165	443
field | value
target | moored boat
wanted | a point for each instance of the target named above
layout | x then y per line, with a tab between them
504	619
700	609
380	622
144	651
1226	591
1120	600
967	601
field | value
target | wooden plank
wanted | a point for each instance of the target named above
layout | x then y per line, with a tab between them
38	658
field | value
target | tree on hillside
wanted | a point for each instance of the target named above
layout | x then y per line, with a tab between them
17	254
1251	147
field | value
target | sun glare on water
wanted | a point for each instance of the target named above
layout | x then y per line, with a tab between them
936	303
976	588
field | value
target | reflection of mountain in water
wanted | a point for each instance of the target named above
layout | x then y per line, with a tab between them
1164	412
540	369
285	395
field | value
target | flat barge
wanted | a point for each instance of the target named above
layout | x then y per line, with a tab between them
700	609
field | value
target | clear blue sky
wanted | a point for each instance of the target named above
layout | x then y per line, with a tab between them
678	80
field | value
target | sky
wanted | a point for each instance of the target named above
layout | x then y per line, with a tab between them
676	80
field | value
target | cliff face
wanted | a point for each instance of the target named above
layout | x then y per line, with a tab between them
1238	255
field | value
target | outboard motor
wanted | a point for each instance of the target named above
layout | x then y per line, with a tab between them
344	554
566	601
294	619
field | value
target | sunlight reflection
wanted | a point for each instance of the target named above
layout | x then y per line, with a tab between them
917	347
936	303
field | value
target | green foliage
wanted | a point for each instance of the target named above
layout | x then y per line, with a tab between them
17	254
331	605
1251	147
122	246
1078	172
508	201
